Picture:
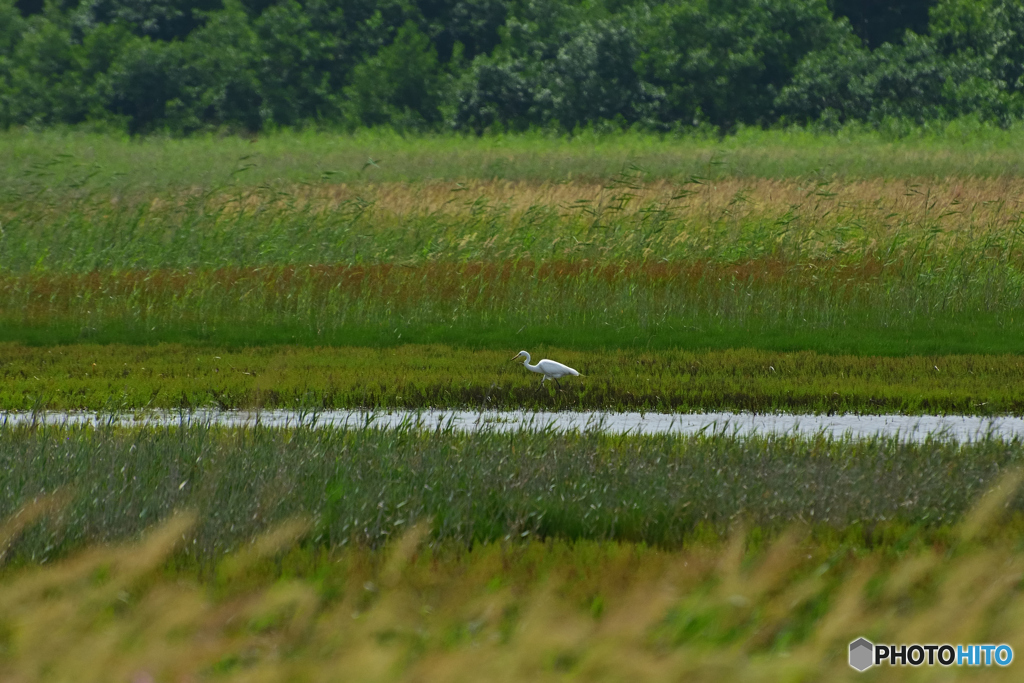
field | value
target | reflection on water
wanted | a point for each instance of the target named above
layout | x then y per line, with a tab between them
911	428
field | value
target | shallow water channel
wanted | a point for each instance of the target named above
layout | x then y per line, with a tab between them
905	427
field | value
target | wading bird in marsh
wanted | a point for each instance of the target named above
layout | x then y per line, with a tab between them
549	368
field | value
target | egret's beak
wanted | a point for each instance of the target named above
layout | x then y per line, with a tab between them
515	358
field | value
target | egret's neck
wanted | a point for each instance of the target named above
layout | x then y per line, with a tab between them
526	362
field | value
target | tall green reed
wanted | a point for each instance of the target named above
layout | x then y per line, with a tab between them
973	305
365	485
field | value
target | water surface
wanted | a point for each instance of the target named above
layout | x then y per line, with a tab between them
906	427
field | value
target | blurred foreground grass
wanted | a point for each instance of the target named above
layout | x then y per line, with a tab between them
278	610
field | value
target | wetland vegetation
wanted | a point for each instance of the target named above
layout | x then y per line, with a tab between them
763	205
744	610
119	377
639	261
398	554
365	485
676	275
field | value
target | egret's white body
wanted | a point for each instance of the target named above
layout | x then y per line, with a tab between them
551	369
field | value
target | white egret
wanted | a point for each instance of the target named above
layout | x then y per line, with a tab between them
549	368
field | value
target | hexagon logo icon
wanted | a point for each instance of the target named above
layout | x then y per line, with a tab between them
862	654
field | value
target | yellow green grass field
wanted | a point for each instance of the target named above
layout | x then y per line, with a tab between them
174	376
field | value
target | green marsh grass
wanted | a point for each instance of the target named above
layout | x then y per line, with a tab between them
625	219
106	377
91	160
638	261
364	486
883	269
966	308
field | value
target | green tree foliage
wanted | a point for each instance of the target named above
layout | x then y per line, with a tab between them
296	62
970	64
220	80
473	24
188	65
989	30
884	21
159	19
725	62
399	85
52	77
144	84
12	28
557	64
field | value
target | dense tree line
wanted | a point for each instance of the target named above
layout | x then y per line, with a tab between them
187	65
